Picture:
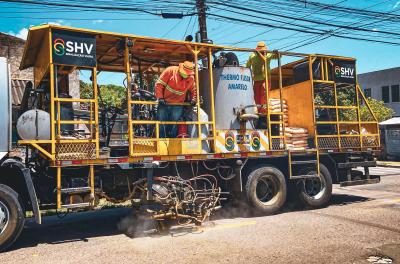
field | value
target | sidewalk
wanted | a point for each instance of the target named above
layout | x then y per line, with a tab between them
390	164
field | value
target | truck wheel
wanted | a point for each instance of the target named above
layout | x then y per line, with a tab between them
316	192
266	190
12	217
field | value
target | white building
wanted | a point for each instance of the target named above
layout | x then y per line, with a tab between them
383	85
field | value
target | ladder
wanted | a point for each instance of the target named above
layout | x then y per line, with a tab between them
303	165
69	192
276	126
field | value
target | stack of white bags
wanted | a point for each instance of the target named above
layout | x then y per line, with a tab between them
296	138
275	107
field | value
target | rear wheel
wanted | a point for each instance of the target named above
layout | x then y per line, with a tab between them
12	217
266	190
316	192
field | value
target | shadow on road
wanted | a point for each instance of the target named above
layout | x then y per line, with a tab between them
74	227
344	199
85	225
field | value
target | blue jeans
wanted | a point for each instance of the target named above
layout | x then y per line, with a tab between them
169	113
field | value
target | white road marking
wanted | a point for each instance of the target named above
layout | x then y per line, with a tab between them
382	171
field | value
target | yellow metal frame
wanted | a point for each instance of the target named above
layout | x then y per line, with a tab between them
268	113
195	50
59	185
48	147
325	79
290	159
55	102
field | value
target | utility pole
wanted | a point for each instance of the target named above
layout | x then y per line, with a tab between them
201	13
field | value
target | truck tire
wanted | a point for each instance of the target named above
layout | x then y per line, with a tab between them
12	217
266	190
316	192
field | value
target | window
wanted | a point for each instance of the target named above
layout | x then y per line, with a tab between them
395	93
385	94
367	92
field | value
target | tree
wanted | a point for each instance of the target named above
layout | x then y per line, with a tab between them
378	107
347	97
111	95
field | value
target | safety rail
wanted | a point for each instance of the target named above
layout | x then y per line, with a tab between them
151	146
60	144
140	145
68	147
276	142
339	140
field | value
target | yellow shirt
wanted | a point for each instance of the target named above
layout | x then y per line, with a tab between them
256	63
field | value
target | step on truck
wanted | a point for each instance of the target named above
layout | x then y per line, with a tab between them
78	148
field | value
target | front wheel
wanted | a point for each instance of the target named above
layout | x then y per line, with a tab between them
12	217
317	191
266	190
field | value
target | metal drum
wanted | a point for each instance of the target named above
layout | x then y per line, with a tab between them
233	88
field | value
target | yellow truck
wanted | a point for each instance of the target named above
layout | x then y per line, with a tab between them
311	134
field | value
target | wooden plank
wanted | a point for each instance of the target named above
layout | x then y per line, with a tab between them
299	101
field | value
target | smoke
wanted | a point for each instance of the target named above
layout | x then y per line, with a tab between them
137	225
238	209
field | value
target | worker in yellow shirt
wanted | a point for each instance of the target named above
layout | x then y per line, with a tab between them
257	66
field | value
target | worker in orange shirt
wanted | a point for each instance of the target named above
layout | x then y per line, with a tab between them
171	88
257	65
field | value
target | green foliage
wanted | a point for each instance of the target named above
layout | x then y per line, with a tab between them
112	95
86	90
378	107
347	97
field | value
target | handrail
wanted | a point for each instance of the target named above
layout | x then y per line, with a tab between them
74	100
334	107
343	122
347	135
155	103
153	122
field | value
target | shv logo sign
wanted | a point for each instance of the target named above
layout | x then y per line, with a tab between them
61	47
345	71
74	48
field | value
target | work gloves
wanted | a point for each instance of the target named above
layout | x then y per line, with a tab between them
161	101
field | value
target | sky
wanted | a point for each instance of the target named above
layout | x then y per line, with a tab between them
17	18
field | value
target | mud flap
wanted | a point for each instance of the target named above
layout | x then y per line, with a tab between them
32	195
29	185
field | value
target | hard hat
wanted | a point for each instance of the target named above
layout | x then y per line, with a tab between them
186	69
261	46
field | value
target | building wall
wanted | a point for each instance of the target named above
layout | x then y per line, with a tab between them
376	80
12	48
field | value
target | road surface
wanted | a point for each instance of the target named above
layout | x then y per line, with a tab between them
361	225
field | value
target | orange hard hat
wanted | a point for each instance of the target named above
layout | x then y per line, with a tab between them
186	68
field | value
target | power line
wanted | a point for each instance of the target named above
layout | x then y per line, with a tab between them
342	31
172	28
324	33
304	19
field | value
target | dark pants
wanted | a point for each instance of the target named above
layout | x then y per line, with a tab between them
169	113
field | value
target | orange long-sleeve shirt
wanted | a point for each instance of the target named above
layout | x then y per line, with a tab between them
172	87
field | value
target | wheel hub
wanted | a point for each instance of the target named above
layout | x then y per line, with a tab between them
4	216
265	189
314	187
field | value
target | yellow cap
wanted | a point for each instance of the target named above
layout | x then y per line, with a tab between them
186	68
261	46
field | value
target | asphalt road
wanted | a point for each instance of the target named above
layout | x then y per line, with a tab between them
361	225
